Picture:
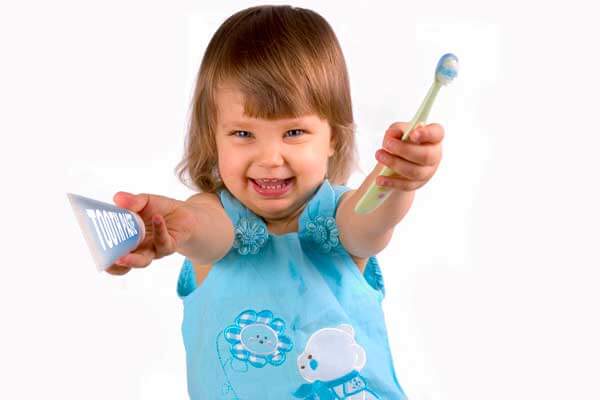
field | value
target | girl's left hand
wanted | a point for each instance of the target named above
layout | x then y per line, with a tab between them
414	161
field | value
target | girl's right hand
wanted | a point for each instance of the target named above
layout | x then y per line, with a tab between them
168	224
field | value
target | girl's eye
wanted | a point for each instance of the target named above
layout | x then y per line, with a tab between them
246	134
296	132
235	133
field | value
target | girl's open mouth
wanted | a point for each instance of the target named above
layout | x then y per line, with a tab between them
273	189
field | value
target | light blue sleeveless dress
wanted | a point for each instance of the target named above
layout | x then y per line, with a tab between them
287	316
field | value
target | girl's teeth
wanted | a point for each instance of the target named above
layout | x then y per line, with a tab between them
268	186
276	184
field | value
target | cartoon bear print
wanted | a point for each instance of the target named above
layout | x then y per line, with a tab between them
331	362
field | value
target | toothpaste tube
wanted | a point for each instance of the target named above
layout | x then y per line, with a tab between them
110	231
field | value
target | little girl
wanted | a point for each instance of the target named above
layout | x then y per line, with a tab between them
280	284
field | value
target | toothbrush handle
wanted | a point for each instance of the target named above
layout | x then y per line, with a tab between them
423	111
376	195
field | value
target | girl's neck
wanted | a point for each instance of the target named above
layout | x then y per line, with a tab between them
284	225
283	228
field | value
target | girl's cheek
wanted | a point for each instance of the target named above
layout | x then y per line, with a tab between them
308	160
311	154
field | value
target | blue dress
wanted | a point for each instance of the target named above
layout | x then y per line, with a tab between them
287	316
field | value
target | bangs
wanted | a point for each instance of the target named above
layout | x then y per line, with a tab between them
270	100
279	67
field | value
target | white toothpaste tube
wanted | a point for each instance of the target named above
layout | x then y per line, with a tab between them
110	231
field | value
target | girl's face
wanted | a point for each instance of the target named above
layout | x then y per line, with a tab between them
253	148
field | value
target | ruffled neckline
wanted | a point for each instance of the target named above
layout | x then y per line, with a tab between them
316	223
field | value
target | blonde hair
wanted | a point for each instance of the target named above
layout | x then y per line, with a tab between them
287	62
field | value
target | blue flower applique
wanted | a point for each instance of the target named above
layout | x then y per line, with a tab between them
258	338
250	235
324	232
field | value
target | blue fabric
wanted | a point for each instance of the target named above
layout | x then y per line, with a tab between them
287	316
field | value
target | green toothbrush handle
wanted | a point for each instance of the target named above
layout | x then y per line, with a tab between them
376	194
423	111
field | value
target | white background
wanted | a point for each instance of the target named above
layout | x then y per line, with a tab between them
492	278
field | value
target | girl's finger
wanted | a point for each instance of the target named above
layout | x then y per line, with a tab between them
140	258
163	244
135	203
397	182
117	269
396	130
419	154
406	169
432	134
145	204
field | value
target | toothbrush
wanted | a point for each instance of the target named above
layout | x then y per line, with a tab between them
445	72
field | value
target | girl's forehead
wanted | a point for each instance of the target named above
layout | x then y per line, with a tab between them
230	102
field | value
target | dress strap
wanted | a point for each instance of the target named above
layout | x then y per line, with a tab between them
339	190
232	206
317	226
250	236
251	232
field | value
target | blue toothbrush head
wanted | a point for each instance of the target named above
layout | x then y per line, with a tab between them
447	69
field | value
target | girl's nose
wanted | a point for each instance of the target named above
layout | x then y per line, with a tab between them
270	157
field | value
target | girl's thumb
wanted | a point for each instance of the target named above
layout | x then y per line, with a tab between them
133	202
124	199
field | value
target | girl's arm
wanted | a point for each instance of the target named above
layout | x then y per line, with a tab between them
365	235
198	228
213	235
413	162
